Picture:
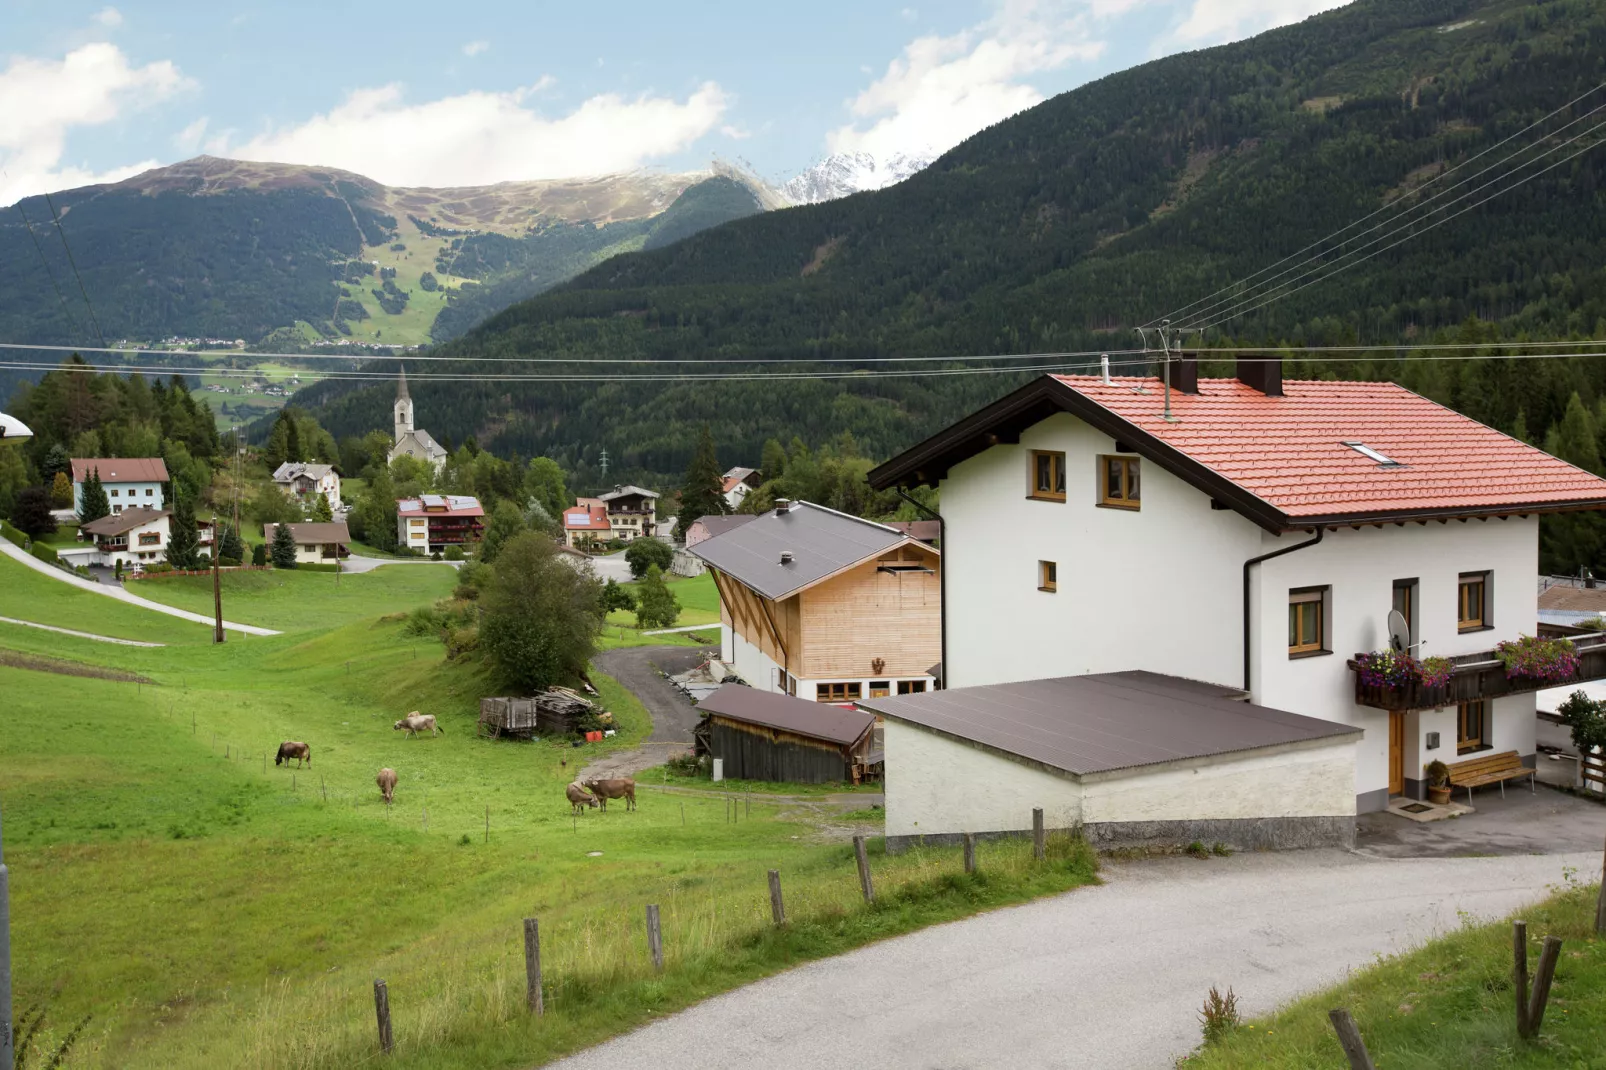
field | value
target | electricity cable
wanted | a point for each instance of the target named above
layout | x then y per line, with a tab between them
62	234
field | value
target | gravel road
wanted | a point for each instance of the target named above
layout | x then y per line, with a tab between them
1109	977
673	715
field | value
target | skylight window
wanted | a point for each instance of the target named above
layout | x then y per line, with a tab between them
1368	452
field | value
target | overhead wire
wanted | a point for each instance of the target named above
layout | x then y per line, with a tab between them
62	234
72	321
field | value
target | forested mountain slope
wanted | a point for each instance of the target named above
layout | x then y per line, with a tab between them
1066	225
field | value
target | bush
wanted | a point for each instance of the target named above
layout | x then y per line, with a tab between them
687	765
615	597
259	554
31	513
13	534
158	568
45	554
656	605
229	562
1219	1016
454	553
644	553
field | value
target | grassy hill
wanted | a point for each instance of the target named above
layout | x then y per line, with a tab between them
1066	225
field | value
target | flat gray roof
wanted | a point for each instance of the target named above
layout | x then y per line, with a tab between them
819	720
1108	721
822	541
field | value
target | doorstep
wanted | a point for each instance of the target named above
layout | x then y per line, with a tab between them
1421	811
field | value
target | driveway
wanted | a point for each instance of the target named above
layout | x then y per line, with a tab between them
357	563
612	567
639	670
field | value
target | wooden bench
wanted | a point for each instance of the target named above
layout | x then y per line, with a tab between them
1489	769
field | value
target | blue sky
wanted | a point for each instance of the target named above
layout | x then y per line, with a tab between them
458	94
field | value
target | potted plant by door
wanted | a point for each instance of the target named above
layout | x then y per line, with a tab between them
1438	783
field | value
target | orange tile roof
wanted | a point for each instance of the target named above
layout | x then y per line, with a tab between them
1288	451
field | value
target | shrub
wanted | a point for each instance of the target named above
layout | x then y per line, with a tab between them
229	562
435	555
644	553
13	535
31	512
688	765
615	597
454	553
1438	773
1586	718
158	568
259	554
45	554
1219	1016
656	606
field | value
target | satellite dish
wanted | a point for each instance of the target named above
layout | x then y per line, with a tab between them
13	429
1399	632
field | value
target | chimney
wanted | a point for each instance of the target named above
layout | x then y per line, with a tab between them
1265	374
783	506
786	557
1183	373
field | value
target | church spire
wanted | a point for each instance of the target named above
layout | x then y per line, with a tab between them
401	384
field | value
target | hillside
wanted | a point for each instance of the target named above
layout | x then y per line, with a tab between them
288	255
1068	224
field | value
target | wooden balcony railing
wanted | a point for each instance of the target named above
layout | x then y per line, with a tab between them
1479	675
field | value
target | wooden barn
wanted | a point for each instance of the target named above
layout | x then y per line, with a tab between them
762	735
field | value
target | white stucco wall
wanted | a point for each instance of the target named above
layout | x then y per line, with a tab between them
756	667
937	785
146	494
1303	781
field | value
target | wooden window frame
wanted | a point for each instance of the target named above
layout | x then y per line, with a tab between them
1122	497
880	688
1048	577
851	691
150	538
1056	471
1411	587
1466	743
911	687
1464	620
1301	596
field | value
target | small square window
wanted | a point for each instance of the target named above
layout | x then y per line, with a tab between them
1307	621
911	687
1119	482
1048	576
1472	602
112	493
1048	476
845	692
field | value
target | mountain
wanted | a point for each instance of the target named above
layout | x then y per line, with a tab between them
289	255
846	173
1070	223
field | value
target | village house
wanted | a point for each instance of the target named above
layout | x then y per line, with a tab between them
738	484
316	544
706	527
826	606
632	512
135	536
585	523
437	522
129	482
301	482
1245	534
412	441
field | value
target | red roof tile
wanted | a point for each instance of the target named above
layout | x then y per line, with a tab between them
1289	451
120	469
587	515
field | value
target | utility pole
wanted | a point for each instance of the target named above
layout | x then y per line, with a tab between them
7	1039
217	581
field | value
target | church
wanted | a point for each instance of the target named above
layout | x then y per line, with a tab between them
410	441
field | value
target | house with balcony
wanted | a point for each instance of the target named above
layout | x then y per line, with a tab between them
135	536
316	544
632	512
825	606
129	482
586	523
437	522
1247	534
301	482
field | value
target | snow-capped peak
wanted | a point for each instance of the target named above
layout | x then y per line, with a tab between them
852	172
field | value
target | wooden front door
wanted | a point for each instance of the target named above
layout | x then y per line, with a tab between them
1396	754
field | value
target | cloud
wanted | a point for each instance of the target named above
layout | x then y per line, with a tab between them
1217	21
735	133
480	137
189	139
42	100
474	48
109	17
941	89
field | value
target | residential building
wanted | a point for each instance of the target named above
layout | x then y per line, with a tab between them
302	482
632	512
412	441
706	527
130	482
1254	535
134	536
826	606
739	483
316	543
437	522
586	523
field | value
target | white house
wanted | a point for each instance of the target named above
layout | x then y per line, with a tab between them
301	481
136	535
632	511
316	543
739	483
1253	535
412	441
130	482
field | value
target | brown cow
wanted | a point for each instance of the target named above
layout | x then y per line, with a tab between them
622	788
387	783
416	722
292	750
579	797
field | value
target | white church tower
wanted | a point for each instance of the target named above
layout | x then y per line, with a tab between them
404	408
411	441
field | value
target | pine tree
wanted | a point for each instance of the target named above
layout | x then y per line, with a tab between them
1573	440
232	546
183	540
56	461
702	493
61	491
292	438
259	554
276	451
656	604
321	513
284	547
94	504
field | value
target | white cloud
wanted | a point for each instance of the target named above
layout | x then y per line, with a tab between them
941	90
42	100
735	133
189	139
474	48
109	17
479	137
1217	21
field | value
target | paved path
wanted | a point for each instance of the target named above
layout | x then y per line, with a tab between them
1108	977
612	567
19	554
637	669
80	635
687	628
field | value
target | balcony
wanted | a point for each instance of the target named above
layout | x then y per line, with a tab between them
1479	675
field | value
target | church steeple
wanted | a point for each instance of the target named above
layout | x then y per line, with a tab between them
403	408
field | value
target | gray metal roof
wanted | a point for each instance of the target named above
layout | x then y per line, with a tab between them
1099	723
822	541
719	525
819	720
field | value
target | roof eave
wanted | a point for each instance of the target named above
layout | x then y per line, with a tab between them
1449	512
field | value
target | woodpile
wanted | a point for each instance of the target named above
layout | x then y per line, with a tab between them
558	712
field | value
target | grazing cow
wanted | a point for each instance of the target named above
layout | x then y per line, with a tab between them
579	797
416	722
623	788
290	750
387	783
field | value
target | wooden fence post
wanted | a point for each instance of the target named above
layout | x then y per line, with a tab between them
1600	903
1349	1038
1039	843
1542	978
970	852
382	1012
864	869
532	966
777	908
655	938
1519	967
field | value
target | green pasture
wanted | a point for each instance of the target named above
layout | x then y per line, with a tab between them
26	594
292	600
699	602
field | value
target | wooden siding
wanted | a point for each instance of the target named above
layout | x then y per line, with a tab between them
852	619
752	752
771	627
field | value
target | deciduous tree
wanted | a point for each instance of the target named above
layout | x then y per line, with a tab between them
656	604
643	554
541	616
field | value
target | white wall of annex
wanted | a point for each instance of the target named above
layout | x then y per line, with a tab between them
1159	588
1308	781
937	785
756	667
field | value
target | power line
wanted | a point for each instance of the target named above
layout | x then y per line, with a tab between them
72	322
62	234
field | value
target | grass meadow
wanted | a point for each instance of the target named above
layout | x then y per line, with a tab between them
205	908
